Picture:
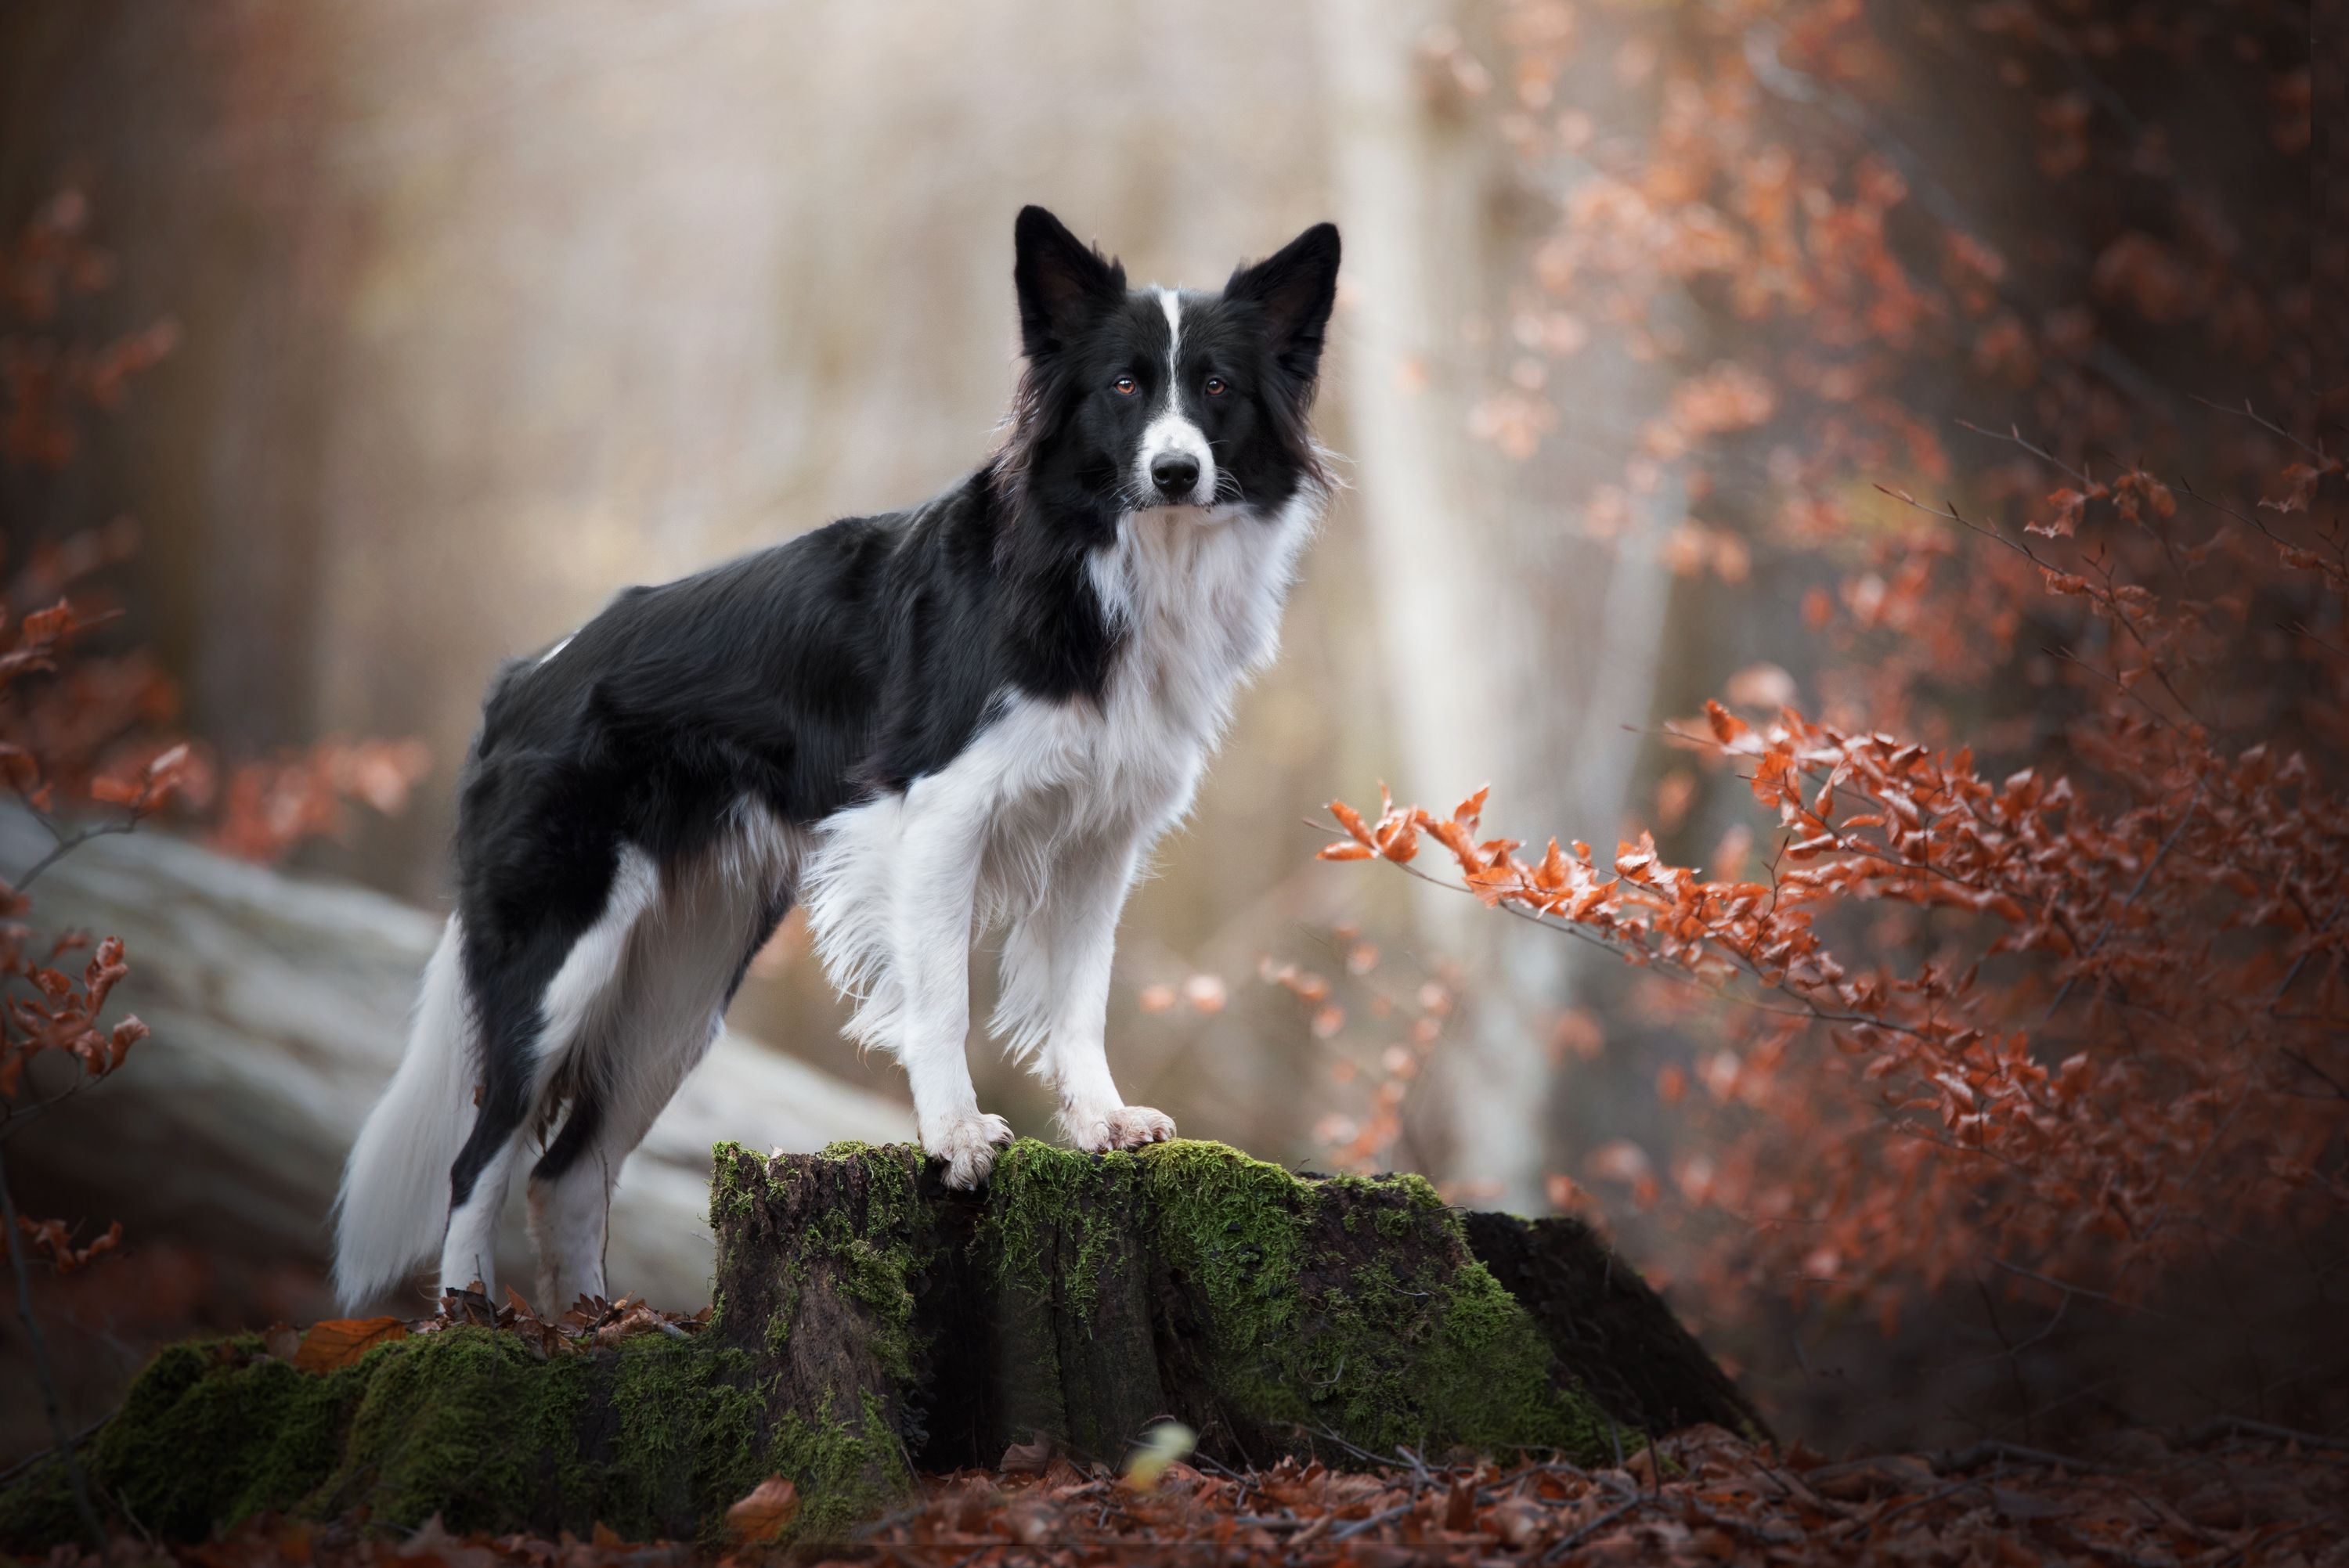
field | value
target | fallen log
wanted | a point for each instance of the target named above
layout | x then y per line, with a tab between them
279	1003
869	1323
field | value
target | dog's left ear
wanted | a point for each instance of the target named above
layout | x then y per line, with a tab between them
1294	290
1062	281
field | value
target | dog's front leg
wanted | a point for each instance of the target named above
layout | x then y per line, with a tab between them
932	897
1057	970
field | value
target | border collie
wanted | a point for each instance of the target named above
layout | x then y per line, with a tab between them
982	711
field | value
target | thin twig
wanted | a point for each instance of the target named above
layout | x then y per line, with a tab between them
1573	1538
2015	1455
29	1461
2161	854
1862	1527
2256	417
1384	1516
2196	1437
2014	437
69	843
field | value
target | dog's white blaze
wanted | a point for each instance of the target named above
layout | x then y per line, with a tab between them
1042	824
1169	431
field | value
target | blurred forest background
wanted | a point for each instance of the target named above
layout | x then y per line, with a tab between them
474	315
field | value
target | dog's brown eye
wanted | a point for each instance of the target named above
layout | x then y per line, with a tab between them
1126	386
1216	387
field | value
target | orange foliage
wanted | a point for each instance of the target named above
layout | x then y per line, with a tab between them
1404	1023
2042	972
1808	178
2111	1026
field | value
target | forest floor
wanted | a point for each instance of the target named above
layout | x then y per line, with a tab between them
1713	1499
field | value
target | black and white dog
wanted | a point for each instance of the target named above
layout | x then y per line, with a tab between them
981	711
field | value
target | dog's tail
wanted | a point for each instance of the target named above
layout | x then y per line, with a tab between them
393	1210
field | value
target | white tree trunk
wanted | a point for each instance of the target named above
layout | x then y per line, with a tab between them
1489	652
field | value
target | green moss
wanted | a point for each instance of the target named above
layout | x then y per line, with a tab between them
1234	1226
653	1439
846	1474
434	1431
872	1249
777	1334
685	1423
1351	1306
265	1433
1038	1193
1308	1336
1304	1333
732	1192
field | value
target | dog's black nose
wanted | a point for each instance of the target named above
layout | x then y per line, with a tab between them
1174	474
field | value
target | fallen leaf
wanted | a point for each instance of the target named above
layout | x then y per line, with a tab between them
1034	1523
762	1515
1459	1507
339	1341
1027	1459
969	1504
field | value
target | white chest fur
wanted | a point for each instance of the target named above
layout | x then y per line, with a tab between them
1195	598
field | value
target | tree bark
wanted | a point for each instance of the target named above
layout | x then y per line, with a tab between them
871	1323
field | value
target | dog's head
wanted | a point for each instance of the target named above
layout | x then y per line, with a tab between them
1146	398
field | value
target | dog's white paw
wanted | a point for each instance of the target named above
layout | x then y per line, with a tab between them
1119	1127
967	1145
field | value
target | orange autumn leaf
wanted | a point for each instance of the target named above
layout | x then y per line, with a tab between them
765	1512
340	1341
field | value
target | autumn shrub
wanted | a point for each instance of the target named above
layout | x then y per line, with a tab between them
2029	969
2105	1024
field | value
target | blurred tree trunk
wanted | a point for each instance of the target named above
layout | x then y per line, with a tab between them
1518	653
1407	171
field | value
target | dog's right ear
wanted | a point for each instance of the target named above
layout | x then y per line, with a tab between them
1063	283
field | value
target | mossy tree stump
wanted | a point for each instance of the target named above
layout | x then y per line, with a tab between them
871	1323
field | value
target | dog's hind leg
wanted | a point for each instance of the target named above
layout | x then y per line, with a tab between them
682	966
571	1186
682	963
536	993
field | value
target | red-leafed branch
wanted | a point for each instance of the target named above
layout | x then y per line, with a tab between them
2136	975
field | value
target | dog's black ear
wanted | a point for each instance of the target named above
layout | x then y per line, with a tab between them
1062	281
1294	290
